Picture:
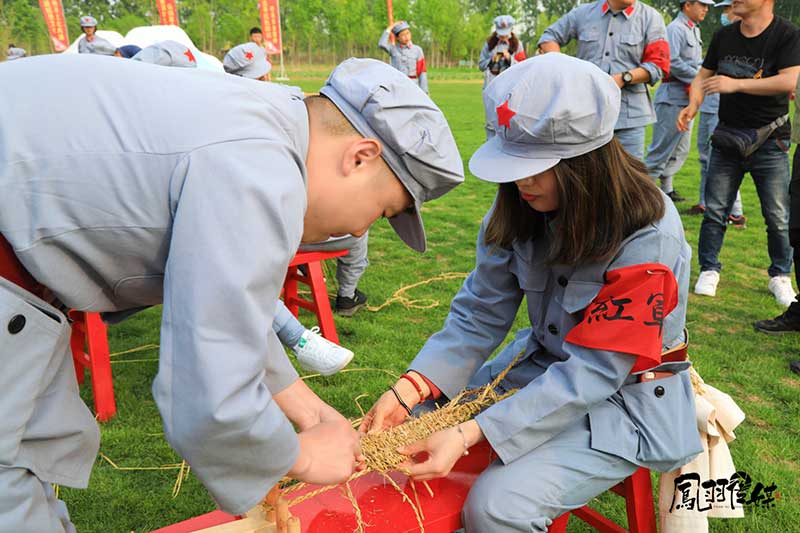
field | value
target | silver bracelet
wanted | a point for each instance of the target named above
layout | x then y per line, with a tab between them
464	438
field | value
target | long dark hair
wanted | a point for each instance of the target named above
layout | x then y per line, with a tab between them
604	196
513	42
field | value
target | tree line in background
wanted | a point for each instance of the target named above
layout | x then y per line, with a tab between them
324	31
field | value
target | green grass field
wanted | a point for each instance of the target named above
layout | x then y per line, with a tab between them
752	367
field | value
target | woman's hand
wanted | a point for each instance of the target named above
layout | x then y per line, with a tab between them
387	411
435	456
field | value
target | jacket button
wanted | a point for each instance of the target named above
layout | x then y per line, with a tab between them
562	281
659	391
608	53
611	34
552	329
16	324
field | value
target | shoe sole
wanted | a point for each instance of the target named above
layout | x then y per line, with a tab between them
704	293
338	368
350	311
768	332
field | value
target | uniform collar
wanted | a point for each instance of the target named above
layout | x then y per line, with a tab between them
686	20
628	11
404	45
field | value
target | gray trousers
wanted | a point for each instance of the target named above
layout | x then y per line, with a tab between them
47	434
669	147
558	476
350	267
632	139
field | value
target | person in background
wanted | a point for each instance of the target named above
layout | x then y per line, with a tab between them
628	41
706	124
15	52
405	56
248	60
127	51
501	50
789	321
753	64
256	36
92	43
167	54
670	148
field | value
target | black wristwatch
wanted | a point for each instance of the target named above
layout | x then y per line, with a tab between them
627	78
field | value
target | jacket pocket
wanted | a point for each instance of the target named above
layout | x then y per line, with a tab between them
663	412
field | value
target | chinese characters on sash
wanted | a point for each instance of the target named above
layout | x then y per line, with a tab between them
53	13
271	25
627	315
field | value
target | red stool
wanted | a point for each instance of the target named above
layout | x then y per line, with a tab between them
89	344
638	493
319	304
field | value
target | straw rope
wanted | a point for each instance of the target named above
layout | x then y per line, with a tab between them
426	303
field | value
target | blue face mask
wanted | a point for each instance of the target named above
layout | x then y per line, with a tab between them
724	19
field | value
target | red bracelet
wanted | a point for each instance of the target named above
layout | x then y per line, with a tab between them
416	386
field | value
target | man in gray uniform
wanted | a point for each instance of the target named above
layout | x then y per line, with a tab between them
670	147
15	52
91	43
627	40
197	197
405	56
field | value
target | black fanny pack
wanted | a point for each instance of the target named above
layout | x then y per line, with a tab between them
743	142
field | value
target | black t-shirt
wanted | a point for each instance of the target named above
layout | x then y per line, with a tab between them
736	56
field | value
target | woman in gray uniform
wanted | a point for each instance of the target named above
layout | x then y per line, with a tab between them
580	230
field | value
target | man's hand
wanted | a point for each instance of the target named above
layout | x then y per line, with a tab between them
618	80
300	405
329	454
685	117
721	85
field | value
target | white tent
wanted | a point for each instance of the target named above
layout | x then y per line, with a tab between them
146	35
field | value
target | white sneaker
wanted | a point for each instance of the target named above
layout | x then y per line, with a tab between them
781	288
707	283
315	353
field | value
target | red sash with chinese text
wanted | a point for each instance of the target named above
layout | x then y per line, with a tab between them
627	315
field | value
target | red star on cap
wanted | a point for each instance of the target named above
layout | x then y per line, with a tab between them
188	53
504	115
248	55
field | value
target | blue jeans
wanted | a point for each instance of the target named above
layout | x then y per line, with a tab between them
706	126
769	168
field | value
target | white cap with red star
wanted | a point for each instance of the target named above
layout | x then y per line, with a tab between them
247	60
88	21
504	25
545	109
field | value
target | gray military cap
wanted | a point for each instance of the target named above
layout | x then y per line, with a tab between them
167	54
400	26
503	25
724	3
88	21
384	104
248	60
545	109
706	2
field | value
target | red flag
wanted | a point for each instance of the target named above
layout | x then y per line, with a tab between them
56	25
271	25
628	313
167	12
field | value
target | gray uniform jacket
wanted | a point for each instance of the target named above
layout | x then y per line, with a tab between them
191	192
407	59
617	43
486	57
685	58
561	382
98	45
